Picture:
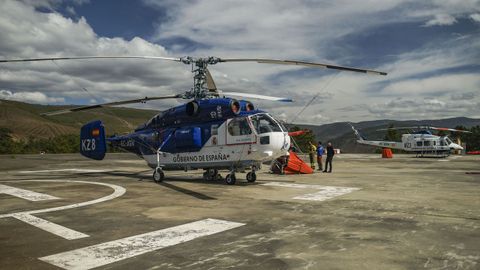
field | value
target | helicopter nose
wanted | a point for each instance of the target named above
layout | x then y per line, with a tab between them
455	146
274	145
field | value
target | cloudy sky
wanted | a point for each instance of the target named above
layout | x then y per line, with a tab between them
431	50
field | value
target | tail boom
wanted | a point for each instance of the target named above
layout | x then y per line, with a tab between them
384	144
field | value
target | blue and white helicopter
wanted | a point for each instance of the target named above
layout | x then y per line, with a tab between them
211	132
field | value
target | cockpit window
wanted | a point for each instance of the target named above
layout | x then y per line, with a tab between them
448	140
156	120
264	124
282	126
239	126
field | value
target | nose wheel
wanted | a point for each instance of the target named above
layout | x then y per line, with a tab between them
158	175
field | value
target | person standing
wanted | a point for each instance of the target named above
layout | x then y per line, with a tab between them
312	149
330	154
320	152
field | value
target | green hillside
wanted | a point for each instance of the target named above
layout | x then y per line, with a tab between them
24	120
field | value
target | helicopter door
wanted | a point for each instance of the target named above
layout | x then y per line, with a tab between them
239	131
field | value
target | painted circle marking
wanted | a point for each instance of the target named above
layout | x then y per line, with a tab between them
117	192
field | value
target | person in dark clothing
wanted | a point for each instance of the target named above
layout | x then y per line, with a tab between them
330	154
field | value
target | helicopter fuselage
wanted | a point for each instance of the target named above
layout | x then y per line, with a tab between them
421	142
215	134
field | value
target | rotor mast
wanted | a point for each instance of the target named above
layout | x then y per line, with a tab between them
199	70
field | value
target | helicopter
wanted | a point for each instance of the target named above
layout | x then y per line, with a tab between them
420	141
212	131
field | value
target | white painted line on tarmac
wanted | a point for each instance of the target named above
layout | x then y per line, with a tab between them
291	185
117	250
325	193
66	170
50	227
25	194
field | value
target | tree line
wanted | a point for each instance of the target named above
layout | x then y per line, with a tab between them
471	139
68	143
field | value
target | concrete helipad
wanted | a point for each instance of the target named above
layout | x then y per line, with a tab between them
64	211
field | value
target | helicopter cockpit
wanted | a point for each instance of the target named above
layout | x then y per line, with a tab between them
448	141
273	139
445	141
264	123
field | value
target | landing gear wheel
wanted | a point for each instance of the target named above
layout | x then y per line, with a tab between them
230	179
251	177
158	175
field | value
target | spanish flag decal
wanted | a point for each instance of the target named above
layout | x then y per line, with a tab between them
95	132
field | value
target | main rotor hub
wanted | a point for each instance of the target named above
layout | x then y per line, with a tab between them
211	60
199	69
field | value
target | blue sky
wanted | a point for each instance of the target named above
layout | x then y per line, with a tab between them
431	50
122	18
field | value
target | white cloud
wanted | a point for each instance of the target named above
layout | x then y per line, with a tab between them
464	96
252	28
436	85
417	109
308	30
27	33
71	10
441	19
475	17
31	97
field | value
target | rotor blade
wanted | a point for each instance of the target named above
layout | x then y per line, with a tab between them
449	129
400	128
210	83
427	127
302	63
257	96
84	108
89	57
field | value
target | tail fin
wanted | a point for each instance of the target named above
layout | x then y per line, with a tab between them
92	140
357	134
